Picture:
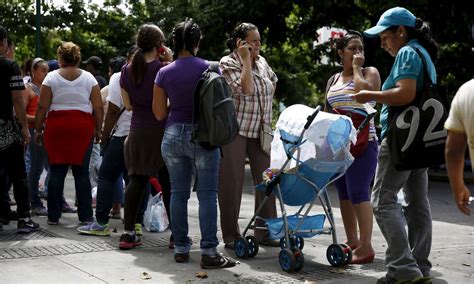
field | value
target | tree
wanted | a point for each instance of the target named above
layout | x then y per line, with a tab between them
287	29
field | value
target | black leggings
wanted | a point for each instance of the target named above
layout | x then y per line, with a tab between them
135	195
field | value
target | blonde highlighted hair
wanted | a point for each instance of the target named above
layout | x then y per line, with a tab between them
69	54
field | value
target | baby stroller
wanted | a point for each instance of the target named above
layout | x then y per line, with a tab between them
310	149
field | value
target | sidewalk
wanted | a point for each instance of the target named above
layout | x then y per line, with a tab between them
57	254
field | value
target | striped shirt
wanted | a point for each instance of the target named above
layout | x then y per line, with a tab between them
338	97
247	106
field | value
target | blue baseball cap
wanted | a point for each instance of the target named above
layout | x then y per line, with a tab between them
53	65
397	16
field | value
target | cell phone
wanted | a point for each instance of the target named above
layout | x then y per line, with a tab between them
162	50
244	42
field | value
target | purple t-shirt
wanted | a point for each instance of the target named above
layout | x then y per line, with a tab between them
179	79
141	96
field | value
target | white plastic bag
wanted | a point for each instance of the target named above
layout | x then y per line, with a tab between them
156	219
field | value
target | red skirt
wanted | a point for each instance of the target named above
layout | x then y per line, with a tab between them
67	136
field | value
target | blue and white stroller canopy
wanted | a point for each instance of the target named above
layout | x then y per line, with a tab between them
327	139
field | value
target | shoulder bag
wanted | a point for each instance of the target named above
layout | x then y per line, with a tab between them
416	135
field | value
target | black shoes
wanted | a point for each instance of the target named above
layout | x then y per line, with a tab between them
217	261
128	241
27	226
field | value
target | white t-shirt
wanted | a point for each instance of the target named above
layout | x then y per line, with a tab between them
115	97
461	115
71	95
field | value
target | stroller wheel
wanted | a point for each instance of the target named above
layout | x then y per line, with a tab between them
287	260
299	242
348	253
282	243
295	242
252	246
241	248
336	255
299	258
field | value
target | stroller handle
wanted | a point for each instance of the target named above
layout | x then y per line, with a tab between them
311	117
365	122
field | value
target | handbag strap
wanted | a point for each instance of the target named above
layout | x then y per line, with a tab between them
426	78
112	132
261	109
427	83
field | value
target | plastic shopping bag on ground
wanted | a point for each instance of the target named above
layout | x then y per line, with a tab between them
156	219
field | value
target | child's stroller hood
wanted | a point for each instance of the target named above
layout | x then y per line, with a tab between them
327	139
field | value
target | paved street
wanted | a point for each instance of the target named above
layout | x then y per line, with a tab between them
57	254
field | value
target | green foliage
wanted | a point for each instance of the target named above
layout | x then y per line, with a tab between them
287	28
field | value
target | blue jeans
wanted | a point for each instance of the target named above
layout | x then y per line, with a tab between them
110	188
184	158
82	183
38	160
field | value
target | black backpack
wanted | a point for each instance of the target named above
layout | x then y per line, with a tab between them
214	117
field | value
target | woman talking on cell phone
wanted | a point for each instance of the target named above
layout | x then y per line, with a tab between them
142	148
253	84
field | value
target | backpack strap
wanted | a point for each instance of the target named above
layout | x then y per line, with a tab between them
214	66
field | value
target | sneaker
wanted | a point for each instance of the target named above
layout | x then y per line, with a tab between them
27	226
53	223
94	229
39	211
216	261
68	209
138	229
128	241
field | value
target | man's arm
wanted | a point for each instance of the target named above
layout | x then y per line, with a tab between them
455	150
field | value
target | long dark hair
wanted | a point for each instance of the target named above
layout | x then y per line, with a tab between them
149	37
422	33
240	31
186	36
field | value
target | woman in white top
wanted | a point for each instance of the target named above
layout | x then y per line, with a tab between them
71	97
